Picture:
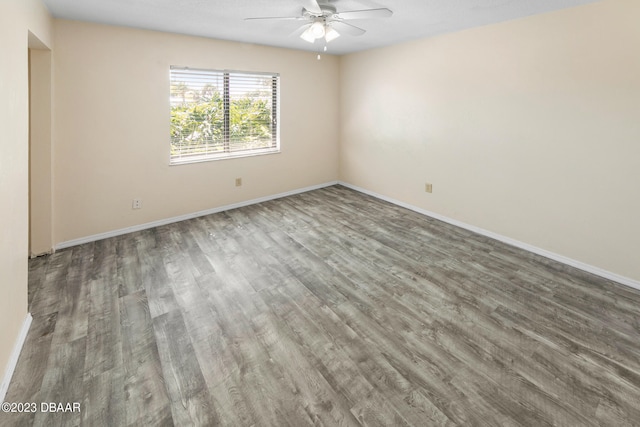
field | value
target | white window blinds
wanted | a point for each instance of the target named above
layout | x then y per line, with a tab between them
220	114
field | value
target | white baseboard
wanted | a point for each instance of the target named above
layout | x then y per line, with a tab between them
539	251
158	223
15	354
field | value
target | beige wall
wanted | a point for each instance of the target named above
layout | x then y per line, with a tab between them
111	133
529	129
17	18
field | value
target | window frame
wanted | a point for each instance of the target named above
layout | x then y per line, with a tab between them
227	153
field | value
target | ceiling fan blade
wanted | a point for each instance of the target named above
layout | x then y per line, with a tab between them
347	28
276	18
366	14
312	6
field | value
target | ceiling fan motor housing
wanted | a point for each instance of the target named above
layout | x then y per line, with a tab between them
328	11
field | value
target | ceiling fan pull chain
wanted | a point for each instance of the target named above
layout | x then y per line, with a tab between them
324	49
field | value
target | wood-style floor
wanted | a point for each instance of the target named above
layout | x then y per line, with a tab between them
325	308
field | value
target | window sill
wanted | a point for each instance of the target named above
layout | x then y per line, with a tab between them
223	156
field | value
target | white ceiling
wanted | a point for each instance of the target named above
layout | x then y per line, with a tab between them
224	19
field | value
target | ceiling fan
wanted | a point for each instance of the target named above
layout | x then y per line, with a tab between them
325	22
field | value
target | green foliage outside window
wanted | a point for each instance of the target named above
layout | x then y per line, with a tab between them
198	121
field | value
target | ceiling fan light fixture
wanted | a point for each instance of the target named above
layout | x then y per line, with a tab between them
330	33
317	29
308	35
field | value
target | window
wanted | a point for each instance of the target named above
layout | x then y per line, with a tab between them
222	114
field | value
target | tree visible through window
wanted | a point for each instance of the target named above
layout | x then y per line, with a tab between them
219	114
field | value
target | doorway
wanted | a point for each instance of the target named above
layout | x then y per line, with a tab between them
40	149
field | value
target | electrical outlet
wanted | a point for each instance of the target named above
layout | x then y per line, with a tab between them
238	182
137	204
428	188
